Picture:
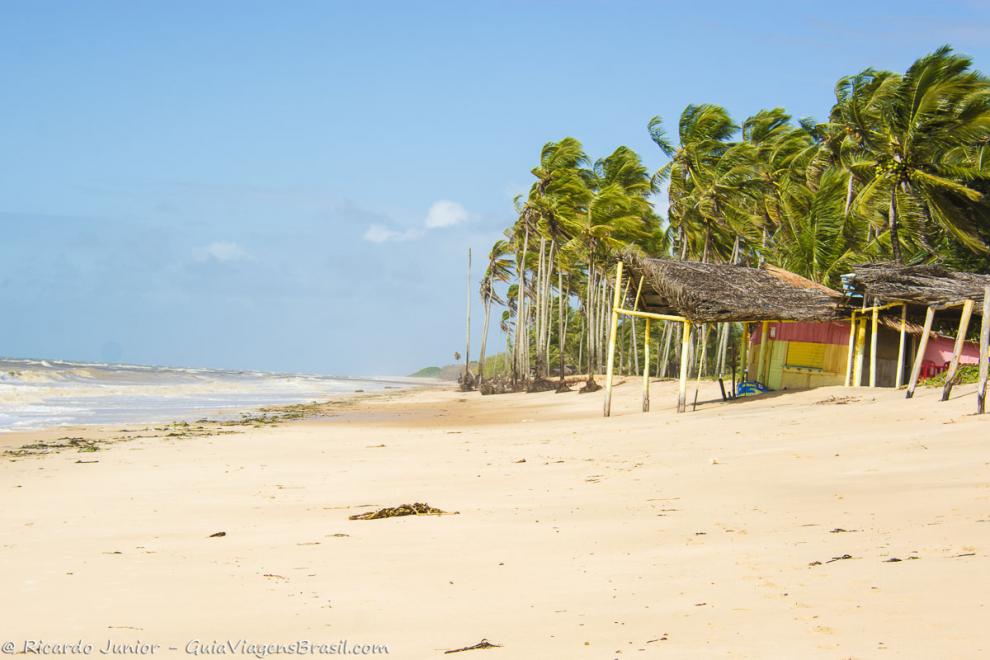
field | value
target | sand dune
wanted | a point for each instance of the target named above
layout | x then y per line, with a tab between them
716	533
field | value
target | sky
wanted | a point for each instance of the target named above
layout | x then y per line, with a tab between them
293	186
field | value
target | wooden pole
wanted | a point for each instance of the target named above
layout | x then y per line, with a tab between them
860	353
899	380
873	346
646	368
610	365
967	312
764	338
981	391
852	345
467	349
685	362
919	355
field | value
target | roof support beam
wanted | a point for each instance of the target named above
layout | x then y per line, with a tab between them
919	357
967	312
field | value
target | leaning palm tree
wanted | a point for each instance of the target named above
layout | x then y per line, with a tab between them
499	269
704	132
617	214
554	199
936	107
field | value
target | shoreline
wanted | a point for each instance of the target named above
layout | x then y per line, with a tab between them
722	532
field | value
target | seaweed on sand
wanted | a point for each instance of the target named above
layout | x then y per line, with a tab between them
415	509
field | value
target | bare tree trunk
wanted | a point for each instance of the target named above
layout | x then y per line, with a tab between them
468	383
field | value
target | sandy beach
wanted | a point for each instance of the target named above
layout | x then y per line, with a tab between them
762	528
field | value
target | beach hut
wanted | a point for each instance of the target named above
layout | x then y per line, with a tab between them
924	290
692	293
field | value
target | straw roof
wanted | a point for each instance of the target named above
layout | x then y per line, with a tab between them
923	285
706	293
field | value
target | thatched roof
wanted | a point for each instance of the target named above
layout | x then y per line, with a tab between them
723	292
923	285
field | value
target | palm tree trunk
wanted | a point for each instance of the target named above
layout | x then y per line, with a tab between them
521	322
849	196
895	247
484	339
538	309
561	331
668	331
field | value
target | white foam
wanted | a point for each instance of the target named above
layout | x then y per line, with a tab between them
45	393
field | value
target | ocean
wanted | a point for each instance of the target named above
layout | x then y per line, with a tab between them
46	393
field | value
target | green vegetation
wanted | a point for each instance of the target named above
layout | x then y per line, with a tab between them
427	372
898	170
967	373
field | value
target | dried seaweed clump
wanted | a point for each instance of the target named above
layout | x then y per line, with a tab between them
483	644
415	509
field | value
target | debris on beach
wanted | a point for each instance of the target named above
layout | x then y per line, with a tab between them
415	509
838	558
217	535
483	644
84	445
837	400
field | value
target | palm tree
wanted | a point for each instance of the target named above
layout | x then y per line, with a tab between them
938	106
824	240
704	132
499	269
554	200
618	213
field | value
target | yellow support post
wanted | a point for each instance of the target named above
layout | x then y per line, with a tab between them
646	368
919	356
613	329
967	312
764	338
860	351
981	389
873	347
899	379
685	359
852	344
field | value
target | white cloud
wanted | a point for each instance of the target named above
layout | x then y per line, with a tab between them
442	214
224	251
445	213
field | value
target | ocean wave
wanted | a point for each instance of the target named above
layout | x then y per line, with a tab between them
42	393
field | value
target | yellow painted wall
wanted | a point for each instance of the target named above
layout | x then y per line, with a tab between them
801	365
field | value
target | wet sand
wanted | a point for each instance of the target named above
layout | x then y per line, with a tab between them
716	533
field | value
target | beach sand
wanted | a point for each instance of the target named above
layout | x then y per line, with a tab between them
643	535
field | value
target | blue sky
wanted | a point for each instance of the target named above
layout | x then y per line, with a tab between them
293	185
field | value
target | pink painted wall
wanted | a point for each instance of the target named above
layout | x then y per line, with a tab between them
836	332
939	351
